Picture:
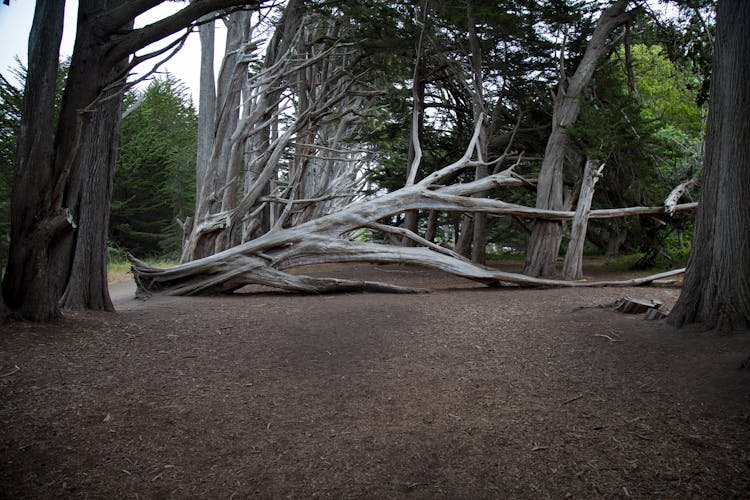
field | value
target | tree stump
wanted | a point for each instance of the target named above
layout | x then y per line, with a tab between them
630	305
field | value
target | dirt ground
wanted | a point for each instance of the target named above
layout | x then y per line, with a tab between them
466	392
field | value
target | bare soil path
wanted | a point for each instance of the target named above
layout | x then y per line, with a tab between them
466	392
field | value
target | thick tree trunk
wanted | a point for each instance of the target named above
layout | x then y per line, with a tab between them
716	289
573	265
33	282
544	243
87	141
67	248
89	195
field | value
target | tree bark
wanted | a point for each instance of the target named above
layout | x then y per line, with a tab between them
32	284
573	265
716	288
89	195
206	104
544	243
242	154
432	225
479	222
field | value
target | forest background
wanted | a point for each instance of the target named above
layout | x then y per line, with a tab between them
643	115
307	116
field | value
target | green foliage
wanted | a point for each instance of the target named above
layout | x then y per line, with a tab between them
155	177
11	99
649	132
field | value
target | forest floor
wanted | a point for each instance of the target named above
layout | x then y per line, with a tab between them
466	392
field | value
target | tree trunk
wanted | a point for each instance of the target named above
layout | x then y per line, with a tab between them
716	289
206	104
475	241
411	218
573	265
465	235
544	243
32	282
89	196
3	308
67	248
238	162
217	185
432	224
87	141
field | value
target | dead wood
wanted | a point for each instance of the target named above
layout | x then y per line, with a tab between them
325	240
654	314
670	202
630	305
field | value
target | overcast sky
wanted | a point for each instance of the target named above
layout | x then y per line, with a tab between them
15	24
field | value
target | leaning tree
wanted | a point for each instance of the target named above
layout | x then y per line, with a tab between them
64	168
546	236
716	289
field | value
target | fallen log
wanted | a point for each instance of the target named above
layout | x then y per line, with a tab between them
324	240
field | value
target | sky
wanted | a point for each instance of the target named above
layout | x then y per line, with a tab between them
15	24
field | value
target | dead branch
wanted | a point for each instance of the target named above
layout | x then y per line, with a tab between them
319	241
670	203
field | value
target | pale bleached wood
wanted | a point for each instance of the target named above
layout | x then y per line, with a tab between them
323	240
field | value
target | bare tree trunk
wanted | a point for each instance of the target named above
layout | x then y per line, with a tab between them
206	103
309	73
573	265
32	284
465	235
479	224
544	243
431	230
716	289
217	184
411	218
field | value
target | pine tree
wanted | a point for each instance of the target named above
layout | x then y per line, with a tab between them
155	176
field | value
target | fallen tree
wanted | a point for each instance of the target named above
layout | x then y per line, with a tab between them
265	259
